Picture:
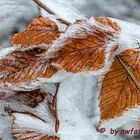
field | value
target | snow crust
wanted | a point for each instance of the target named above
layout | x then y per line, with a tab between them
76	108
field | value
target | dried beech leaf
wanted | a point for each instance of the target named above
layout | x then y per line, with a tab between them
29	127
40	33
24	68
85	46
29	98
108	22
120	89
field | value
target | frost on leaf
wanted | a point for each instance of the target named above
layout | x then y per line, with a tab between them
85	46
38	123
120	89
40	33
24	67
29	127
29	98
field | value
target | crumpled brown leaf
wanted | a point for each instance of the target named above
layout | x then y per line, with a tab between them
86	46
40	34
120	89
24	68
29	98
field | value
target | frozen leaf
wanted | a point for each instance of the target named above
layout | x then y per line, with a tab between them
25	124
120	89
86	46
108	22
29	98
40	33
24	68
30	127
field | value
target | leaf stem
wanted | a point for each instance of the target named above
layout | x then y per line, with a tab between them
55	98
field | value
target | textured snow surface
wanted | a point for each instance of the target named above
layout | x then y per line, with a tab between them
76	109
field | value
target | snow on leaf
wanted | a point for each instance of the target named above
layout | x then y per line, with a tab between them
29	127
120	89
108	22
25	67
25	123
40	33
29	98
86	46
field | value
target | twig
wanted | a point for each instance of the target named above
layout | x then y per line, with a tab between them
40	4
55	98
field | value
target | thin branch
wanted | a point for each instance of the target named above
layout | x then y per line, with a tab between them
40	4
129	72
55	99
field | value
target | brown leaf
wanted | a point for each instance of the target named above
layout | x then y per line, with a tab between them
24	68
121	85
85	46
108	22
24	127
29	98
40	33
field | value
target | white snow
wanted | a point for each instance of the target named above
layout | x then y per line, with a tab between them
5	51
75	103
129	36
27	122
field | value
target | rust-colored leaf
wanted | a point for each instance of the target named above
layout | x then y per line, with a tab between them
29	127
24	68
40	33
85	46
108	22
120	89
